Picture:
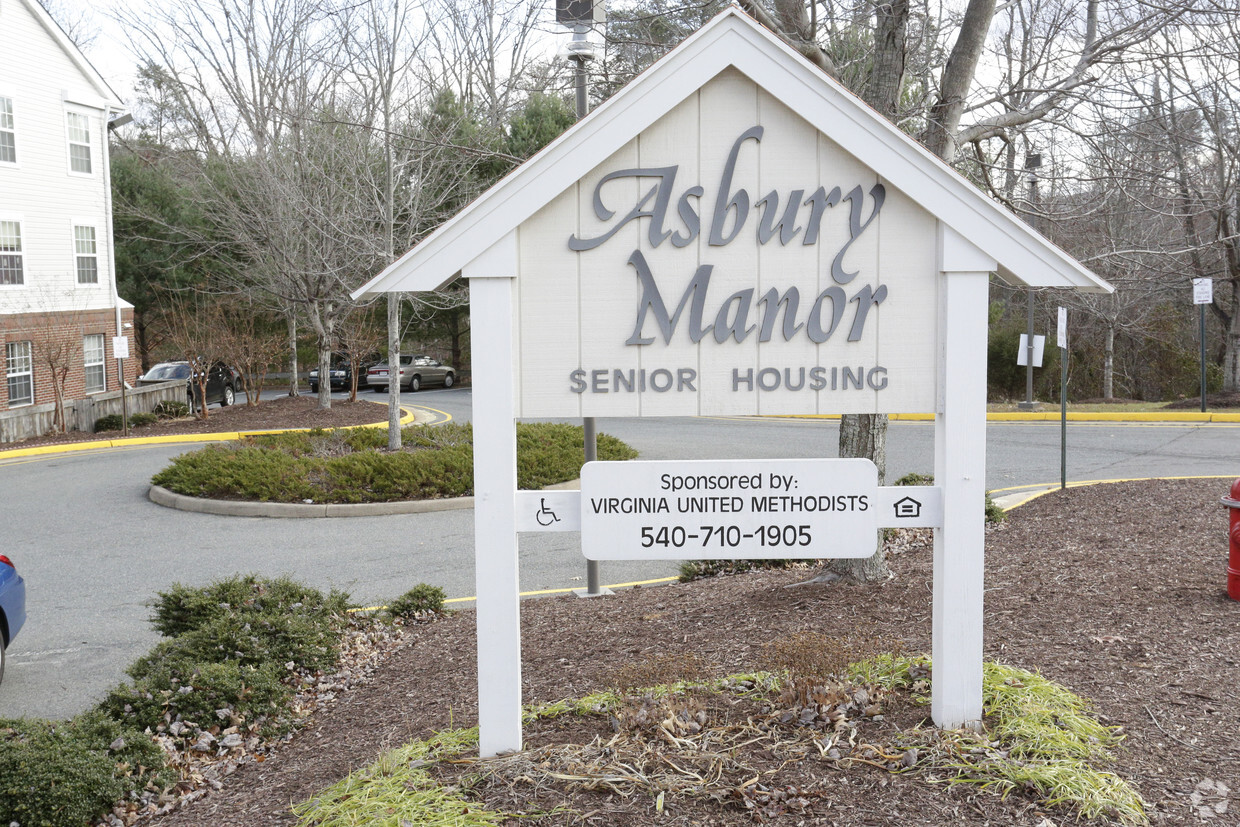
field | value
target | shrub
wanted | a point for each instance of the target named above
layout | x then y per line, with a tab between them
55	773
694	569
183	608
421	598
994	513
111	422
353	467
251	639
171	410
204	694
139	420
914	478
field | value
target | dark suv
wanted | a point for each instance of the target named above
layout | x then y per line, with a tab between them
222	382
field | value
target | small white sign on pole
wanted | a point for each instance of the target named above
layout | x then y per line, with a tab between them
120	347
1203	291
1022	352
1061	330
709	509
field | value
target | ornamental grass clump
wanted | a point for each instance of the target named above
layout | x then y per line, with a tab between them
397	790
1040	740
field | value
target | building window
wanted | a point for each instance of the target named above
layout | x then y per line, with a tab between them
92	350
79	142
8	132
19	366
11	253
86	255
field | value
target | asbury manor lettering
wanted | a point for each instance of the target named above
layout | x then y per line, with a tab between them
695	313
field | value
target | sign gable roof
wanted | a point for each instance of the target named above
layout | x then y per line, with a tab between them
733	39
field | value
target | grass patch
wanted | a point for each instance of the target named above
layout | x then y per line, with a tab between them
396	790
697	739
353	466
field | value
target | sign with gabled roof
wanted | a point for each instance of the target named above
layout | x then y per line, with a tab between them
732	233
771	240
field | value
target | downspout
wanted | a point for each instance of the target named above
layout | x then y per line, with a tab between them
120	120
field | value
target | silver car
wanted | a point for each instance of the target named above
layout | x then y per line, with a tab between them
415	372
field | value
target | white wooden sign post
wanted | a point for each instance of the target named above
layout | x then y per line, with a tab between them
733	233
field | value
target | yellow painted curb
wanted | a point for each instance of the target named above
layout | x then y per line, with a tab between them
220	436
1049	416
656	581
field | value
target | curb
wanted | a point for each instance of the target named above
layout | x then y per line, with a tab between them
1049	416
246	508
412	416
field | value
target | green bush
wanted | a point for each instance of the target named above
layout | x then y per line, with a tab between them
56	773
994	513
914	478
184	608
204	694
171	410
354	467
139	420
111	422
421	598
251	639
695	569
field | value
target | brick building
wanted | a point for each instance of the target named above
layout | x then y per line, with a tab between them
59	308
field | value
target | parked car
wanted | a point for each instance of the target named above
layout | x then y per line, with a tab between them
222	382
339	375
12	606
415	372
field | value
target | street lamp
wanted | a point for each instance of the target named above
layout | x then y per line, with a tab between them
581	16
1033	162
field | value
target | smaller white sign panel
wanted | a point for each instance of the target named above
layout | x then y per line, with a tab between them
1022	353
120	347
1203	291
1061	330
729	509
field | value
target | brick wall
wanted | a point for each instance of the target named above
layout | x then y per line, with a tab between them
63	333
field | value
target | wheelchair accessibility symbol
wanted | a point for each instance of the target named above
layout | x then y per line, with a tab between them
545	516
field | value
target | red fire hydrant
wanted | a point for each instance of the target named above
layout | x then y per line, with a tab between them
1233	560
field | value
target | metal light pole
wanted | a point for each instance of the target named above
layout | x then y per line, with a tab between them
1033	161
580	16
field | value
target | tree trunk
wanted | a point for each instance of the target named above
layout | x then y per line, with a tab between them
944	117
862	435
393	326
865	435
292	354
1108	365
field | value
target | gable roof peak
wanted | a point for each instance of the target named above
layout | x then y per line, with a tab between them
734	40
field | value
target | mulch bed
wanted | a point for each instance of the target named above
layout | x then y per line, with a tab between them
275	410
1116	591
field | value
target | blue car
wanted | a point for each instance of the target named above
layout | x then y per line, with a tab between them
12	606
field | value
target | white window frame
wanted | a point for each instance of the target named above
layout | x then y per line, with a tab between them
11	129
79	256
20	252
11	375
94	360
71	142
